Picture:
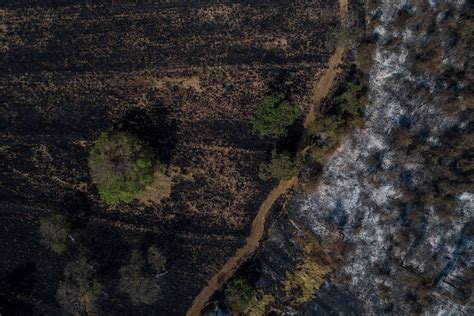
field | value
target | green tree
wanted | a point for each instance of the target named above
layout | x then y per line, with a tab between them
348	106
121	166
331	125
240	294
79	292
141	287
54	232
274	116
282	166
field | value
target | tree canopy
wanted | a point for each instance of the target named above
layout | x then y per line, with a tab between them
282	166
121	166
273	116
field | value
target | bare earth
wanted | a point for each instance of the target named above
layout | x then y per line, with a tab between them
320	90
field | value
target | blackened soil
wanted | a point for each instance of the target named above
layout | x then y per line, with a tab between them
185	76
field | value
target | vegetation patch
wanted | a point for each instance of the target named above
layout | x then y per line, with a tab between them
138	281
466	28
240	295
274	116
79	292
121	166
156	259
54	232
344	113
309	274
282	166
261	305
364	56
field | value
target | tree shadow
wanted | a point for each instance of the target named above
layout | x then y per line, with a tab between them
16	290
153	126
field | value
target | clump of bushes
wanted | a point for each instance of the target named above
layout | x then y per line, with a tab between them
80	290
282	166
54	232
344	113
240	295
121	166
364	56
137	281
274	116
309	274
348	105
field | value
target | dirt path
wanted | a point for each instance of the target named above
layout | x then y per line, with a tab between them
252	242
322	88
319	91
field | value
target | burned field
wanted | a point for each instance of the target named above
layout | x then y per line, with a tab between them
186	78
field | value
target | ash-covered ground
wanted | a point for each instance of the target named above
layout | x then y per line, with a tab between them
398	193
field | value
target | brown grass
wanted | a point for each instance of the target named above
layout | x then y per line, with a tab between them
159	189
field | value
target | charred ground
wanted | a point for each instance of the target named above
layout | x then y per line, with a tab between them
184	76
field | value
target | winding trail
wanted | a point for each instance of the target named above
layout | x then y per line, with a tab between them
320	90
324	85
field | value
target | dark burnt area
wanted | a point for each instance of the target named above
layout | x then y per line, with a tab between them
84	33
70	72
152	126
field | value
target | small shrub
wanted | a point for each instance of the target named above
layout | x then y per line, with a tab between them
330	126
262	304
364	57
54	232
156	259
79	292
240	295
274	116
141	287
282	166
326	130
466	30
348	106
121	166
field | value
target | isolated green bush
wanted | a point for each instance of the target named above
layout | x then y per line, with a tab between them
78	293
274	116
54	232
240	294
282	166
121	165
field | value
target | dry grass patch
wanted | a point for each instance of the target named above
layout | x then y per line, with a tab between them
159	189
192	82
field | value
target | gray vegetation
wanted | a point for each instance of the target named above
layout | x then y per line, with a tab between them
79	291
54	232
139	283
